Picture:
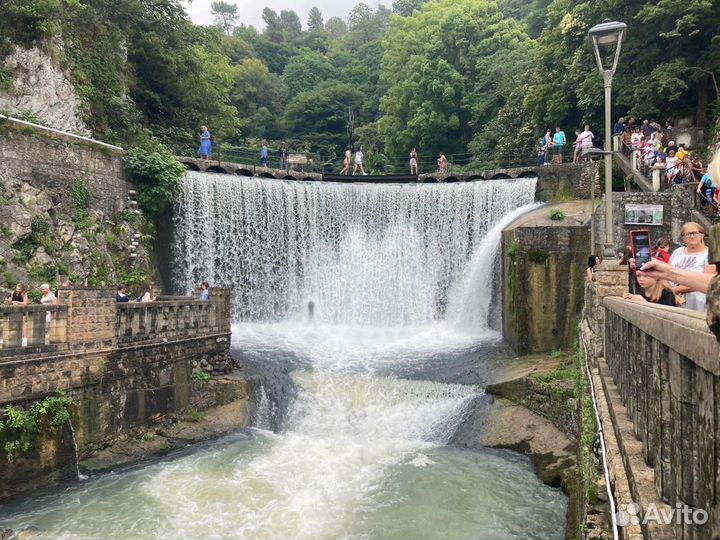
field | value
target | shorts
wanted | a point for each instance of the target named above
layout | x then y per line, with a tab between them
557	149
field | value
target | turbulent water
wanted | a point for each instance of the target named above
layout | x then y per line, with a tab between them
357	397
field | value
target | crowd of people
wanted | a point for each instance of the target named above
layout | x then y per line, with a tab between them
551	146
659	151
657	281
355	160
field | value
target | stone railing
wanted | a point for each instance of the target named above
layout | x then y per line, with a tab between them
89	319
166	319
666	365
32	329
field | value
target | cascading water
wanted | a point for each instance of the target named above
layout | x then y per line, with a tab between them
358	391
377	255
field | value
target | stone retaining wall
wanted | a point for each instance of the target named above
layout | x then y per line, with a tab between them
52	161
119	372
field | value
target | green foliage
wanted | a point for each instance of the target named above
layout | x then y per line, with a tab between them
128	216
201	377
34	295
43	274
443	70
157	173
39	226
569	380
195	415
19	429
6	79
9	278
80	196
537	256
557	215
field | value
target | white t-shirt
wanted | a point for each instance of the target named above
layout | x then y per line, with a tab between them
695	262
358	157
586	139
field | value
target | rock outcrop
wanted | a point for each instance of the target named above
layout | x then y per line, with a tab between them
41	88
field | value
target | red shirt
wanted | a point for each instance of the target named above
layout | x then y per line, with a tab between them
662	255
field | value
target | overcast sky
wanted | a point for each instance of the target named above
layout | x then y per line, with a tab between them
250	11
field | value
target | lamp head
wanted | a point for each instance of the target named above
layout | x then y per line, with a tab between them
607	32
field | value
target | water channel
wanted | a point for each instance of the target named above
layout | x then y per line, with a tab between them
366	315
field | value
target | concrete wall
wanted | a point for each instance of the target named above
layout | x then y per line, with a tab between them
543	272
563	182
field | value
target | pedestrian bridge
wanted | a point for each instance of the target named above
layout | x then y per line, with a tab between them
227	167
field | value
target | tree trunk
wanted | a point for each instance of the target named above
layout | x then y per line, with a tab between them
701	116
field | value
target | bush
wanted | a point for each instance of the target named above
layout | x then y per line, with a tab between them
80	198
10	279
157	174
18	428
557	215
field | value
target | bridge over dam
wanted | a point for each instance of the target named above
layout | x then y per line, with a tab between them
565	181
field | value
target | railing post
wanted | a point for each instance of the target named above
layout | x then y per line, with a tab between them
58	327
12	329
617	142
656	179
36	328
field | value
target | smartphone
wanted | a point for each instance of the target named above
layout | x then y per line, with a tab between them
640	241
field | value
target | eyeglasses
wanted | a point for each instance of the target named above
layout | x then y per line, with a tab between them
693	233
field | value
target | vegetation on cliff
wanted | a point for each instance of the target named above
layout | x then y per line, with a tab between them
20	429
477	79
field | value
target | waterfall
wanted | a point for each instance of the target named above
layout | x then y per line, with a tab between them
362	254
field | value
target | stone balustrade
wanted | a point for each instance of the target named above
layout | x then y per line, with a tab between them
665	363
32	329
165	319
89	319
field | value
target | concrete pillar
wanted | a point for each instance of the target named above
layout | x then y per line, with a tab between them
221	299
635	159
656	176
91	318
617	143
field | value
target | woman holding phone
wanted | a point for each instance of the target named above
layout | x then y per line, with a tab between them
692	256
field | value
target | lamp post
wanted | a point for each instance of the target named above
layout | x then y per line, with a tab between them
604	35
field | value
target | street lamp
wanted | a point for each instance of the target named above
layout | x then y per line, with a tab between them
603	36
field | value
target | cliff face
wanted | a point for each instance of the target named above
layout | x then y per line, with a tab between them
65	209
40	88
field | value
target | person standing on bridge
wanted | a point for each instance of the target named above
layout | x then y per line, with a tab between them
359	158
283	153
347	159
264	155
442	163
413	161
206	142
559	140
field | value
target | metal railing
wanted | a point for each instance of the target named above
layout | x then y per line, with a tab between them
376	163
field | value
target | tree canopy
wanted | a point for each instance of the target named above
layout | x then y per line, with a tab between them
477	79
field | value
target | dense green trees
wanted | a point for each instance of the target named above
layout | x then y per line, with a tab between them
477	79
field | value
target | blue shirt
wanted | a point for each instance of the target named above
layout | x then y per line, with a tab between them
559	138
264	152
204	295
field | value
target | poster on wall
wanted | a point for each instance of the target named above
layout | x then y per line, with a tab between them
643	214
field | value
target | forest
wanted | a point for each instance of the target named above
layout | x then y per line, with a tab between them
479	80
